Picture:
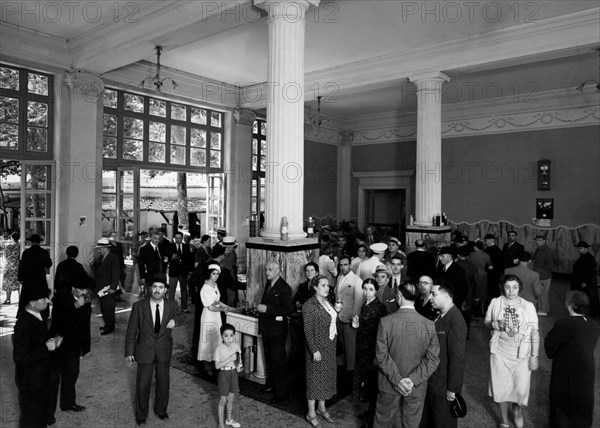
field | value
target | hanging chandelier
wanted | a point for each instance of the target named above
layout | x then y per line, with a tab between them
156	80
318	120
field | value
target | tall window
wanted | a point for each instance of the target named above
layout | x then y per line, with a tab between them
259	155
143	129
26	113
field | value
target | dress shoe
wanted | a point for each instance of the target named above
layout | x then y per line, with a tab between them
51	421
163	417
266	389
74	408
278	400
140	422
101	328
105	332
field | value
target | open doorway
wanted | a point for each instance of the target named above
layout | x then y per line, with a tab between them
386	210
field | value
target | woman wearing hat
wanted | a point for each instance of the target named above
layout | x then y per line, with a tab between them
210	320
514	349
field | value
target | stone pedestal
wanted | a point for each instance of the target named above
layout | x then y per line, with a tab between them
291	256
436	235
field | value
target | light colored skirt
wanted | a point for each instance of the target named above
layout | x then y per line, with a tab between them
510	378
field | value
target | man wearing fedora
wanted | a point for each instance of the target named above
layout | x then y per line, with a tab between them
447	380
584	276
495	269
149	343
451	271
71	314
393	249
107	273
33	267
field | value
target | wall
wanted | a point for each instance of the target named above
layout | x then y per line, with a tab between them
320	167
494	177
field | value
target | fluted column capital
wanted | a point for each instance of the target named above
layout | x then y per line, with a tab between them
87	84
433	76
243	116
346	138
292	9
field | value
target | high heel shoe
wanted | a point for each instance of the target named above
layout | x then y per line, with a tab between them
325	415
312	420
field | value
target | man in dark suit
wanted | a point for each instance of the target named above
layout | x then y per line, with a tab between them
511	250
33	266
420	262
447	380
472	281
68	269
584	276
406	353
31	354
151	261
148	342
496	268
180	263
71	314
106	273
450	271
275	306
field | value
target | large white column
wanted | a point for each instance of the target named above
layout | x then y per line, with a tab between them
344	174
428	182
285	116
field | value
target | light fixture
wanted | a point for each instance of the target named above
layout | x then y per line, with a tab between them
544	174
156	80
592	81
318	120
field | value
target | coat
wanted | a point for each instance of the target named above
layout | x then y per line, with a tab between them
72	323
67	269
150	263
140	339
279	305
30	354
182	265
457	276
106	271
420	263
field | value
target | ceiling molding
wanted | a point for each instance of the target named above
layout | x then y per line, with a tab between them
24	46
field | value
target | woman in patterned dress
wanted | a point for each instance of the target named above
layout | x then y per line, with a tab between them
320	331
514	349
365	372
210	320
11	266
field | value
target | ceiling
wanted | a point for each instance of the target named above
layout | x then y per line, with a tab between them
374	42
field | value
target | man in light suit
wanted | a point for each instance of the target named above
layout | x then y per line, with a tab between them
148	342
407	353
107	273
275	306
349	292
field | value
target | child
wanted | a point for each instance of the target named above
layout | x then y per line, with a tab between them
228	363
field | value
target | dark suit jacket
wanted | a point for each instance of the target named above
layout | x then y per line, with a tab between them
472	277
509	254
279	305
452	336
33	264
72	323
107	271
456	275
67	269
30	354
420	263
140	339
407	346
182	265
149	263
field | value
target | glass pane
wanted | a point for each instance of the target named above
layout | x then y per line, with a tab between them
109	205
158	131
263	147
109	181
134	103
110	98
198	137
156	152
198	157
263	128
178	134
126	181
37	139
178	155
254	163
9	78
178	111
254	184
262	162
9	110
133	128
126	208
36	205
37	113
215	140
215	119
39	227
110	124
126	231
9	136
37	177
158	107
109	148
133	150
255	127
215	159
254	146
253	205
37	84
198	115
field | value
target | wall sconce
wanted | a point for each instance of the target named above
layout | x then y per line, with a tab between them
544	172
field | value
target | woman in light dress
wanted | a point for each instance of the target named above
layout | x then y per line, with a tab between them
210	320
514	349
11	266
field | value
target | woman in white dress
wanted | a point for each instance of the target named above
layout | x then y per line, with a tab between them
210	320
514	349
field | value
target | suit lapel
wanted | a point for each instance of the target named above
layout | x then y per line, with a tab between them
166	313
147	314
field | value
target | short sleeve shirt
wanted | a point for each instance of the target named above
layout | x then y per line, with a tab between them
223	352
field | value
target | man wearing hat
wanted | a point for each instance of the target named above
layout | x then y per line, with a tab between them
107	273
450	271
393	249
149	343
472	278
229	262
495	269
386	294
33	266
542	262
511	250
71	314
584	276
221	233
366	268
530	279
31	354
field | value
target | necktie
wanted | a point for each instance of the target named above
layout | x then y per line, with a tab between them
395	284
157	320
179	250
267	288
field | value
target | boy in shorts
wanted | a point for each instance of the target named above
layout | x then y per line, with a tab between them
228	363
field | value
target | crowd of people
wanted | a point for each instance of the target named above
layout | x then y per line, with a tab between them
397	323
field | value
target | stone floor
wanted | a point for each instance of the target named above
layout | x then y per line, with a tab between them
106	384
